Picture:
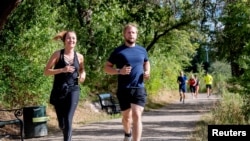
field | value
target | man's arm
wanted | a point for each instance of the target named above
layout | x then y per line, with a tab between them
109	69
146	70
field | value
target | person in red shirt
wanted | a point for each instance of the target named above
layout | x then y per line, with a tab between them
197	86
191	82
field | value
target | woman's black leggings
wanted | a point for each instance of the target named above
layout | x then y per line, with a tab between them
65	111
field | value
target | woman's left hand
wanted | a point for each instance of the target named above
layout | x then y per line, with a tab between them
81	80
82	77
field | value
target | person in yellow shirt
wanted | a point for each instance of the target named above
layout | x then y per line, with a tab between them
208	81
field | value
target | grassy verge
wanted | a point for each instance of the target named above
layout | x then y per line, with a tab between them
227	112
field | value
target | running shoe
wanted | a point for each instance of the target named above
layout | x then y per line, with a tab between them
127	138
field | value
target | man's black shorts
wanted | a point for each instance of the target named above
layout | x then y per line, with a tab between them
131	96
209	86
182	88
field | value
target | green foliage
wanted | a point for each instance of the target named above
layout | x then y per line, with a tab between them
235	34
23	51
19	79
229	110
169	60
169	31
240	84
244	62
158	76
231	46
26	43
221	72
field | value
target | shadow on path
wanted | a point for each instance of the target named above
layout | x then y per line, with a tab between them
175	122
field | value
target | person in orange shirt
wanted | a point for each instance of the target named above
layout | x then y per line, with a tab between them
191	82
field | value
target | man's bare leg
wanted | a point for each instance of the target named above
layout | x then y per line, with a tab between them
181	96
208	92
137	121
127	120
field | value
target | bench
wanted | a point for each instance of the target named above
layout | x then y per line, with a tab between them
108	103
13	126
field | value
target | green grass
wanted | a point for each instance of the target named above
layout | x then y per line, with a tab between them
227	111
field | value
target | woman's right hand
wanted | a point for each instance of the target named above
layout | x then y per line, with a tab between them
68	68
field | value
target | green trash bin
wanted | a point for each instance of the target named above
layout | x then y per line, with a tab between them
35	121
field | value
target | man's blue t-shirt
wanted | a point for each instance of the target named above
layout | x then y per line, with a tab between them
182	80
135	57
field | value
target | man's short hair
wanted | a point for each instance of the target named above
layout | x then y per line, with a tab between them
128	26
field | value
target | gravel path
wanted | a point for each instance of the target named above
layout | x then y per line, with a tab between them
175	122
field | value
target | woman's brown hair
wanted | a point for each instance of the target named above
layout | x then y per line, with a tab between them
62	35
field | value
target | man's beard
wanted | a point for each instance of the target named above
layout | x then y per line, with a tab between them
130	42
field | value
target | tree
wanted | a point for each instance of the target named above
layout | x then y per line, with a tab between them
168	30
232	38
6	7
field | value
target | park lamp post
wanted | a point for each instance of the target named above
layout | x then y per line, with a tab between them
207	49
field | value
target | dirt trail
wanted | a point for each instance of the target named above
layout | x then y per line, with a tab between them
175	122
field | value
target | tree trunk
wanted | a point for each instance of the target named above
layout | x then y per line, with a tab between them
6	7
236	70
